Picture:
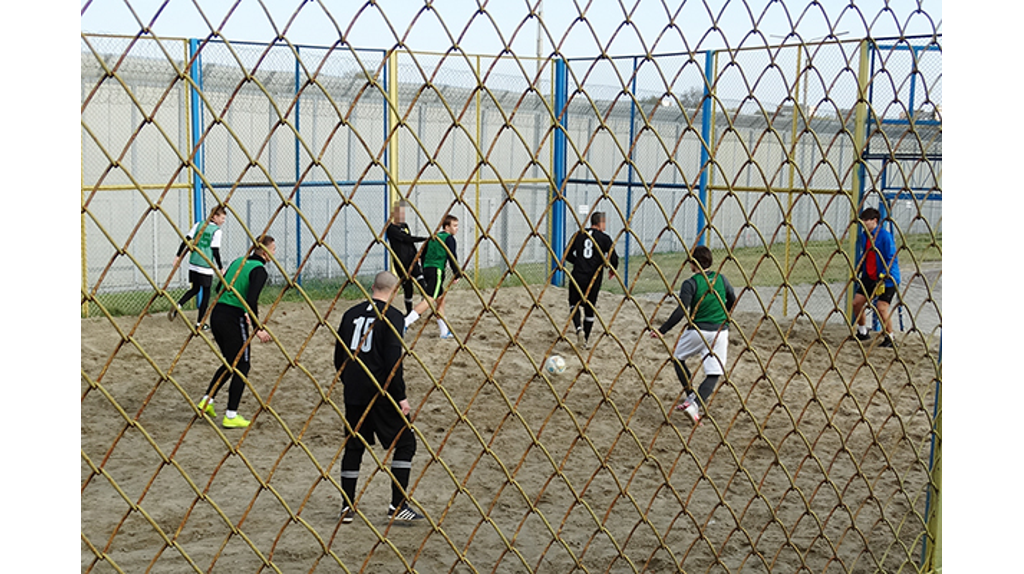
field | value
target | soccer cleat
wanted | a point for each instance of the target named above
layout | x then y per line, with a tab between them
207	407
238	422
405	513
347	515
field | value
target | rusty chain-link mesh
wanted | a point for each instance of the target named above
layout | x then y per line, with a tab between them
819	452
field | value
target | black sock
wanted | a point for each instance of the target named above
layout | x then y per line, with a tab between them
706	388
683	374
350	463
401	483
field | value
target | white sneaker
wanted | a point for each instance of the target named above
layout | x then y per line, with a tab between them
691	408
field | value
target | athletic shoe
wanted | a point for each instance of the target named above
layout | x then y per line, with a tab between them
887	342
173	312
202	327
403	514
207	407
238	422
863	336
448	336
348	514
691	408
581	339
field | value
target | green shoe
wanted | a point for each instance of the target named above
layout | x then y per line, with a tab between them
207	407
238	422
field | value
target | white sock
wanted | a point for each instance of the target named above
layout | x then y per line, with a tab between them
411	318
207	400
231	414
443	327
862	329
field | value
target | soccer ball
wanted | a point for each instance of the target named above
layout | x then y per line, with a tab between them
555	365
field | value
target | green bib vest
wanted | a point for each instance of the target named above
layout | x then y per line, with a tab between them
237	281
435	255
709	308
203	242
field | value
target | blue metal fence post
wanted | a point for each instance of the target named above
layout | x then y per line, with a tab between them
559	171
196	110
298	171
629	169
705	148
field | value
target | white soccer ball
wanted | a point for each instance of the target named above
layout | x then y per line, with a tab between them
555	365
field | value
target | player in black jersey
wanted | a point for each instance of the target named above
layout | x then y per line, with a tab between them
403	246
369	357
589	252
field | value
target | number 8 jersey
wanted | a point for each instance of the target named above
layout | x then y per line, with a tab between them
377	345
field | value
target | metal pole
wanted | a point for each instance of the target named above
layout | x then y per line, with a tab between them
705	150
859	171
298	171
391	122
797	109
629	170
195	72
558	204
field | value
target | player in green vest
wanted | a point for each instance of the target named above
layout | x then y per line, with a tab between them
708	299
441	250
206	237
234	316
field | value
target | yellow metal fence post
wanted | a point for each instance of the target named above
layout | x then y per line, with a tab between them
859	141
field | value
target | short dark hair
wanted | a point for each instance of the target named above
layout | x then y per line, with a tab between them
870	213
261	242
702	256
448	219
597	217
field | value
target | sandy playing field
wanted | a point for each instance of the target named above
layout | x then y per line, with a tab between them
815	455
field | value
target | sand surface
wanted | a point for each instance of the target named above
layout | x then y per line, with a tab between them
815	453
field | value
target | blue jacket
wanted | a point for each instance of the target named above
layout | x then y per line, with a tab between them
885	247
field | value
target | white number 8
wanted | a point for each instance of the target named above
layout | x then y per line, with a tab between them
588	249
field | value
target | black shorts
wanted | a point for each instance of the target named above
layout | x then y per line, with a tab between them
383	421
433	282
867	285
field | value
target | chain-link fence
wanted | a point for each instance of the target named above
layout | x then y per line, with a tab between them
819	452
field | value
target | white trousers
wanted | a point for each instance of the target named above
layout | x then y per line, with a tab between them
711	346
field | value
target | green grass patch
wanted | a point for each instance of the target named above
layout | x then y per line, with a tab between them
817	261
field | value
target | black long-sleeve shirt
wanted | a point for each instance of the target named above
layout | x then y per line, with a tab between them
403	244
585	253
378	345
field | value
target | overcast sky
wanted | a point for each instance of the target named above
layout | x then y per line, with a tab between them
573	28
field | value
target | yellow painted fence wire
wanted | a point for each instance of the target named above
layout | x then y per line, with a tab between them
819	452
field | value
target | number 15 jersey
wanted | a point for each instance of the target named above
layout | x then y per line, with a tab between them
377	345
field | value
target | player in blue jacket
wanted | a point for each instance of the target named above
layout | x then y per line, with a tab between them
879	275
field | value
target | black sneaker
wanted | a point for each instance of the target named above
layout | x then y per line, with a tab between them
887	342
347	515
404	513
863	336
